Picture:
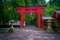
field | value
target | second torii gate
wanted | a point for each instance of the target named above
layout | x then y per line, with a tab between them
26	9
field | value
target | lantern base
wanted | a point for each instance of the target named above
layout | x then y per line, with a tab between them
11	30
49	30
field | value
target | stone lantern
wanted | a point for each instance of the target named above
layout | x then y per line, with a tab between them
12	22
49	28
11	28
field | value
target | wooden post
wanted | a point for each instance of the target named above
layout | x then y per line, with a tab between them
56	16
59	25
42	24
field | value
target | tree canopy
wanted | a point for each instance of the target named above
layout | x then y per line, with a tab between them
8	8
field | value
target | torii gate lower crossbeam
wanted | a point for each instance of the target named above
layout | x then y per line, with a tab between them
23	10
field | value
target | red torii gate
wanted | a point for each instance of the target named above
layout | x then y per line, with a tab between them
24	9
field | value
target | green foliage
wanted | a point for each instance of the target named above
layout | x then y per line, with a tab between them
49	10
20	2
8	12
28	18
55	25
41	2
57	2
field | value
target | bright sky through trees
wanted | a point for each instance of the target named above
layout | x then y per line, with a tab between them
47	1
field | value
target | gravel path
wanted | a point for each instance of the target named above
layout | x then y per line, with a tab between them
29	33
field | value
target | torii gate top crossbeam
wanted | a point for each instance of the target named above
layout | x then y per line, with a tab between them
30	8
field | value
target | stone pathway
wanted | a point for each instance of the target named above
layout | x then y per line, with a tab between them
29	33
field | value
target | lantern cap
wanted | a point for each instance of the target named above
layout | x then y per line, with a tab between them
11	20
48	21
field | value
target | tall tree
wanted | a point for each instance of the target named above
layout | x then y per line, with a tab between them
56	2
26	2
1	11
